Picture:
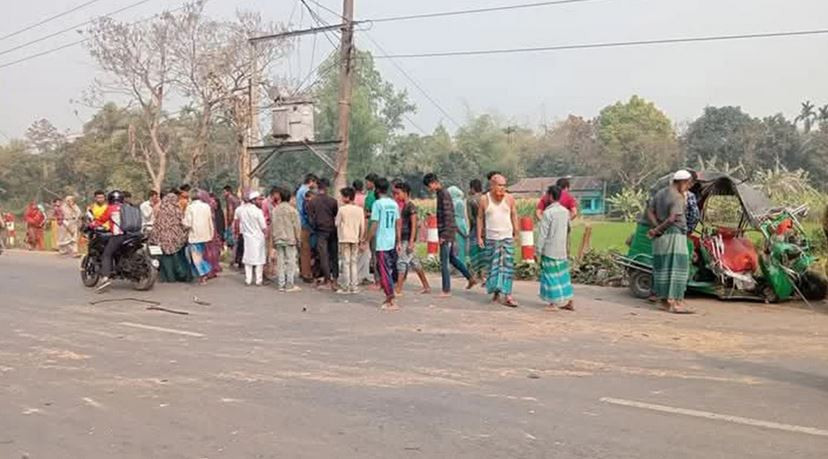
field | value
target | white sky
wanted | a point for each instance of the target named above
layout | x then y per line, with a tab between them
763	76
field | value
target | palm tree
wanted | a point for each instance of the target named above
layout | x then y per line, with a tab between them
807	115
822	117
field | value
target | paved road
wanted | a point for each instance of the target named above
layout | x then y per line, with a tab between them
255	374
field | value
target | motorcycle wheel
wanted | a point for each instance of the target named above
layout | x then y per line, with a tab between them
89	274
641	284
147	282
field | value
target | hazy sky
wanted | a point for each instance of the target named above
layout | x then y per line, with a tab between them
764	76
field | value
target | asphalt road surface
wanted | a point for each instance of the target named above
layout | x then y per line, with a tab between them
256	374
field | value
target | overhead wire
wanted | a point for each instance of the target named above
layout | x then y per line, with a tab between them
75	43
49	19
69	29
476	10
617	44
411	79
400	68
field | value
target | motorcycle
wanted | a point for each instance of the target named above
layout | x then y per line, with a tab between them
133	261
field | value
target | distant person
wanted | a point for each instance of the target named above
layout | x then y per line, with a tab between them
198	219
447	230
184	196
322	218
370	255
231	236
68	231
477	256
286	234
408	260
385	231
216	245
148	210
56	222
555	281
305	254
567	201
252	226
98	206
461	218
671	260
168	232
35	220
359	193
497	223
350	227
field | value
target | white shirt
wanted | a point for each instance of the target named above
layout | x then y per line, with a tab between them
198	218
553	232
147	214
252	226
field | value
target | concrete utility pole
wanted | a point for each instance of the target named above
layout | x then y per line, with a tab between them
345	89
248	162
255	136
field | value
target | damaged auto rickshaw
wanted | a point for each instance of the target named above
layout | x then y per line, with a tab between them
765	256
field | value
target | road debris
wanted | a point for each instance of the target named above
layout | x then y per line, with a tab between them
198	300
171	311
111	300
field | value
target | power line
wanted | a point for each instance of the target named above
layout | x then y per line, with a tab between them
476	10
69	29
413	81
618	44
49	19
74	43
401	70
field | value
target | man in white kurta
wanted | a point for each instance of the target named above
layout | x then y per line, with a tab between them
252	227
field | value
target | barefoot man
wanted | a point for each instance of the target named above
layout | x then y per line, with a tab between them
497	219
671	261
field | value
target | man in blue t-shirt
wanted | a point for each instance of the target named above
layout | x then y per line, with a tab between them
385	225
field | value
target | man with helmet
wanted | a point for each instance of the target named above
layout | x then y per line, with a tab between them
110	220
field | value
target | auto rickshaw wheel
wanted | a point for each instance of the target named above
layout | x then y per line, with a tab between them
641	284
813	285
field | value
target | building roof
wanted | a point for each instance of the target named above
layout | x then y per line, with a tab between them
540	184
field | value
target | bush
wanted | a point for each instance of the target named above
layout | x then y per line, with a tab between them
629	203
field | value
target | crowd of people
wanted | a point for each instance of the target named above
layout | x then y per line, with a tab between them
361	236
365	235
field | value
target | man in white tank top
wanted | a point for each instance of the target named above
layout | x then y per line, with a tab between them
497	226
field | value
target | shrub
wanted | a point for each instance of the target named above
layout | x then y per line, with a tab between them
629	203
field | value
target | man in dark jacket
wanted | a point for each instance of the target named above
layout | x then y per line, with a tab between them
322	212
447	229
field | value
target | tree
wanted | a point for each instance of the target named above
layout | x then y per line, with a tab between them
570	147
779	142
377	111
807	116
636	140
725	133
822	117
136	59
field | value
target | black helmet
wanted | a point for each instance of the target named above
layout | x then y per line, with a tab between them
115	196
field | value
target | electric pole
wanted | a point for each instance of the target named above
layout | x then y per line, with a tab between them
346	68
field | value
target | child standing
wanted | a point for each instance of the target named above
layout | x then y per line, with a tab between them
286	234
350	225
555	282
408	259
386	226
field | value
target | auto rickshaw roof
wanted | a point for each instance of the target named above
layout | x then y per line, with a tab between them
754	202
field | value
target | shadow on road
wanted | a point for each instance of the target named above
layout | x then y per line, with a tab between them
771	372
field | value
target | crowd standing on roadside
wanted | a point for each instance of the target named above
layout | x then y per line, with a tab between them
364	235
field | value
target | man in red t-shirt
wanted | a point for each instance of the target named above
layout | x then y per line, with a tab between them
567	201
